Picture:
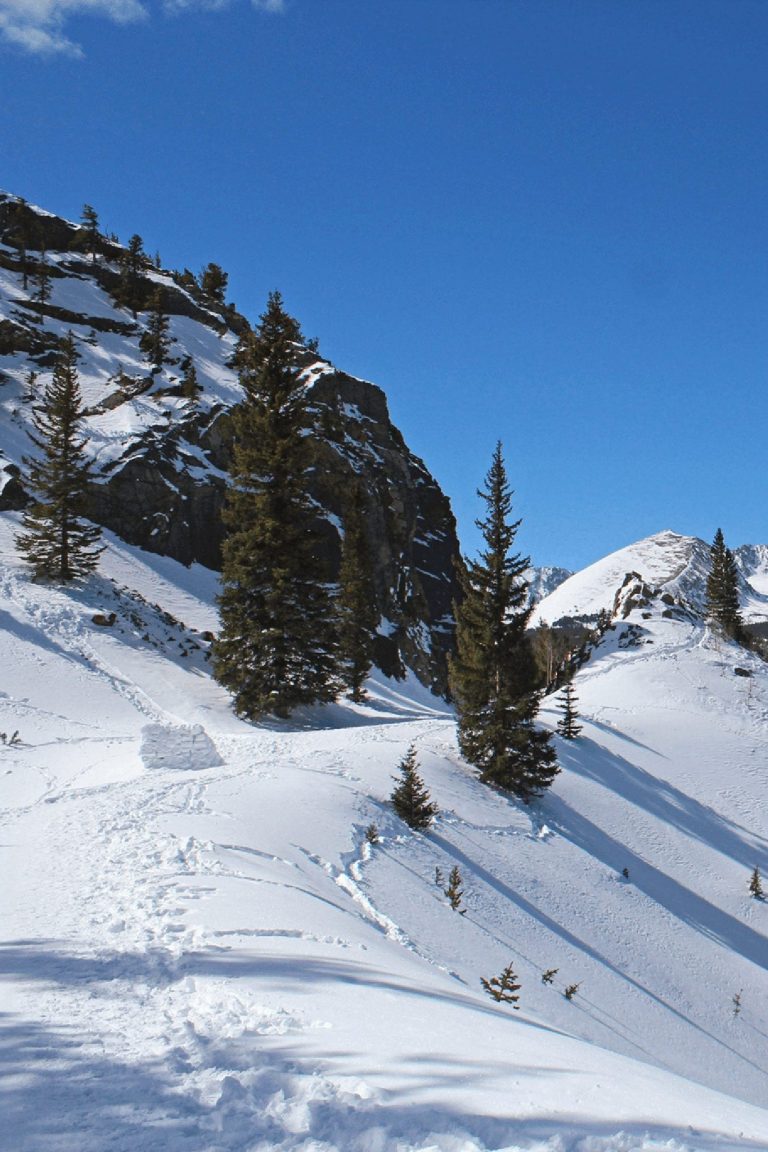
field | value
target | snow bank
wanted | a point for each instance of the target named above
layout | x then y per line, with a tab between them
179	748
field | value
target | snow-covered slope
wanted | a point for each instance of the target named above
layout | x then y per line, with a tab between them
677	565
201	951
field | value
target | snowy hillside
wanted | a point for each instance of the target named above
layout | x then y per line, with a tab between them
202	952
677	565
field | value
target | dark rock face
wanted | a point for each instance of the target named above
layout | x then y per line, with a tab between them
163	481
163	501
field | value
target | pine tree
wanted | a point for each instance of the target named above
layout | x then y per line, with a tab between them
756	884
492	674
503	988
190	387
566	725
90	224
154	341
43	280
276	648
723	588
356	606
410	798
129	292
454	891
56	541
213	283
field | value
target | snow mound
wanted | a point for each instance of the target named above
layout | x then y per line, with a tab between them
178	748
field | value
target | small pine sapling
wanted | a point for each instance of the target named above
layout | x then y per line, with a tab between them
566	725
410	798
454	891
372	834
756	885
549	976
503	988
736	1002
571	990
439	878
10	740
625	873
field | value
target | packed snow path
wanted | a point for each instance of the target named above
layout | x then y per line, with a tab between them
201	950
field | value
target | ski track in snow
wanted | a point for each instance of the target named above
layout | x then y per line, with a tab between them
214	959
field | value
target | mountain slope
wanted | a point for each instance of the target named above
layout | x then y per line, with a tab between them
201	950
677	565
161	457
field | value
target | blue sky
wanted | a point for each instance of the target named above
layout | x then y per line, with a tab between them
538	221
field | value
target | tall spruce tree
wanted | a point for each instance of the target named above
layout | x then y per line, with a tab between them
277	646
723	588
89	221
492	673
56	541
357	611
129	292
154	341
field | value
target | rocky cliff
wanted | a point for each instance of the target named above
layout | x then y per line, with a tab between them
160	450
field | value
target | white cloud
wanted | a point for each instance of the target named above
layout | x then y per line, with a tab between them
38	25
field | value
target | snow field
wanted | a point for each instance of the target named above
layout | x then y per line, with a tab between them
213	958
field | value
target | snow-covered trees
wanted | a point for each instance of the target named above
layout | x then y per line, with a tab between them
410	797
56	541
491	674
277	644
723	589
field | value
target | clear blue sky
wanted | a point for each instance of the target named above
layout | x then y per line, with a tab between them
545	222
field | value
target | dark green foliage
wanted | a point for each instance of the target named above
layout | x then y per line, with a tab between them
130	290
90	224
492	673
55	541
566	725
410	798
454	891
723	589
277	646
190	388
549	976
42	280
154	341
213	283
571	990
756	885
372	834
503	988
356	605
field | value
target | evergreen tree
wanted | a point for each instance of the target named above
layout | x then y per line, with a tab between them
454	891
276	648
43	280
410	798
129	293
357	612
190	387
154	341
492	673
756	884
213	282
503	988
56	541
723	589
90	224
566	725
